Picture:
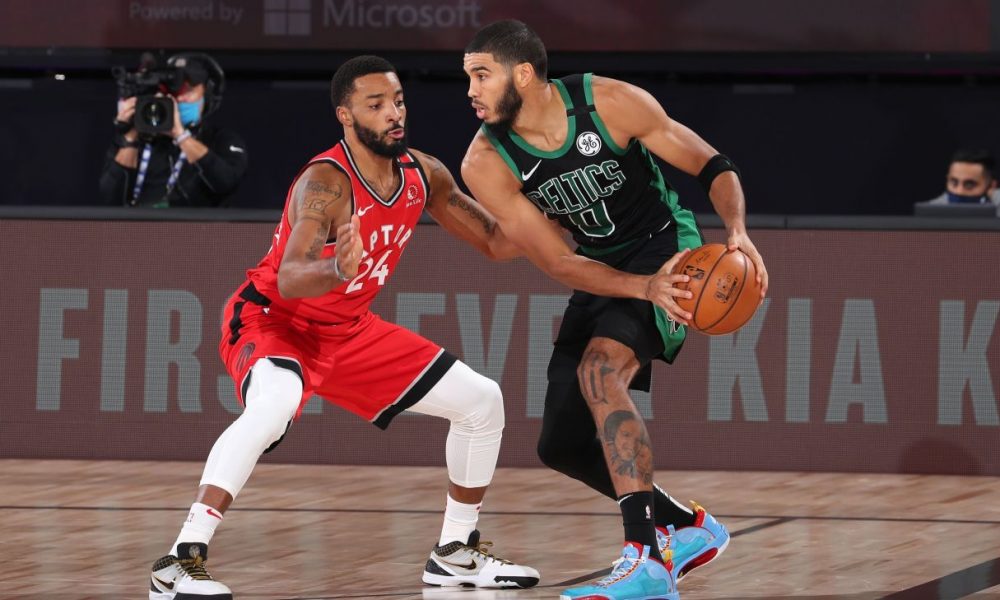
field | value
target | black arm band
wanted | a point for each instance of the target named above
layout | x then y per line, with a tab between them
718	164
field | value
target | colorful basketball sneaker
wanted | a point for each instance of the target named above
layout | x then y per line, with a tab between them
694	546
470	564
635	576
185	578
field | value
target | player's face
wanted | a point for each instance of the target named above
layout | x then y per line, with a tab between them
492	90
379	113
968	179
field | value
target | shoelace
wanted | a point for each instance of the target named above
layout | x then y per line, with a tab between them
195	568
622	567
481	549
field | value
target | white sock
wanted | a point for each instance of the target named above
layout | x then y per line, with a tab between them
459	521
199	527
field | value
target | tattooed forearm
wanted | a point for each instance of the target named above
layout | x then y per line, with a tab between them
316	247
456	199
629	450
595	367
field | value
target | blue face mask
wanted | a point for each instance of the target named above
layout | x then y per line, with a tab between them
963	199
190	112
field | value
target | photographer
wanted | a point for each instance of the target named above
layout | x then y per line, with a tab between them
164	153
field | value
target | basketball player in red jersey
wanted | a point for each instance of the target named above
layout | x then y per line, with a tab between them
300	325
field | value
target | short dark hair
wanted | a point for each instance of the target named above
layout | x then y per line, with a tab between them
977	156
342	85
511	43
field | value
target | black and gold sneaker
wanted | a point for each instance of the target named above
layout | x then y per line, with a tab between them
471	564
185	578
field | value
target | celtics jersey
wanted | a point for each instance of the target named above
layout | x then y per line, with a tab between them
606	195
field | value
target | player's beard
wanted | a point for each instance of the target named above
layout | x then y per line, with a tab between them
381	143
508	107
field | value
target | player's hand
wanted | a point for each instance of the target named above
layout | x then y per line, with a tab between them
349	248
661	290
741	241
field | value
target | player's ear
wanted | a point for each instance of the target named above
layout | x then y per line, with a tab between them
523	74
345	117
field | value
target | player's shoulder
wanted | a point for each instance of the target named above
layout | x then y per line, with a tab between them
613	92
481	151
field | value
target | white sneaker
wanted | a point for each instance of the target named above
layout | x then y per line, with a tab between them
469	564
185	578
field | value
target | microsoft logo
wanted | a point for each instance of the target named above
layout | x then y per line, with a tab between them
287	17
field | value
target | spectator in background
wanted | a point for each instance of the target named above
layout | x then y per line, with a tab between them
971	179
192	162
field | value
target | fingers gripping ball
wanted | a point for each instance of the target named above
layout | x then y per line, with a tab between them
725	292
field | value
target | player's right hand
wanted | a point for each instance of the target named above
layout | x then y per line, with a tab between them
662	291
349	248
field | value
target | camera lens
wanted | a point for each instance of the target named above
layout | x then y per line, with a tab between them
153	114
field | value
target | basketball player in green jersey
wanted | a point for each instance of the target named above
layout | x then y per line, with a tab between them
576	153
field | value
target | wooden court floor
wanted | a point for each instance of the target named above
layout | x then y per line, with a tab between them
91	529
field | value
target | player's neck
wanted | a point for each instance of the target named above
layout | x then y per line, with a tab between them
542	113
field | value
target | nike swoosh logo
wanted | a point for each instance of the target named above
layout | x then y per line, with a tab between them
236	149
167	584
362	211
469	567
212	512
525	176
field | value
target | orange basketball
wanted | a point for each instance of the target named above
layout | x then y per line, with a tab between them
724	287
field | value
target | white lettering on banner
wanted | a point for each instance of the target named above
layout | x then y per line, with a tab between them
407	15
962	362
114	350
857	345
185	11
798	363
161	351
542	311
53	348
732	360
470	327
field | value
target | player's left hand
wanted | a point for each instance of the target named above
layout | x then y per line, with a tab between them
740	240
349	248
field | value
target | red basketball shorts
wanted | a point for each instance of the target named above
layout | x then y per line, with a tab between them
370	367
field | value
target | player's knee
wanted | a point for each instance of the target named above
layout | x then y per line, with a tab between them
485	407
272	399
600	371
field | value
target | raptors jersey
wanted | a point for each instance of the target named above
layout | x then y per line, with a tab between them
386	227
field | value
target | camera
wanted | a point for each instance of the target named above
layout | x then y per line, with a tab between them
152	87
154	112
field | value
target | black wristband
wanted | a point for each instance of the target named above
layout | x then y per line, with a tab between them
717	165
121	141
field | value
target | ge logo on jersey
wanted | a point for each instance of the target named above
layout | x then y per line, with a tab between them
588	143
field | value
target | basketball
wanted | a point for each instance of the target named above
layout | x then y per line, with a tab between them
724	287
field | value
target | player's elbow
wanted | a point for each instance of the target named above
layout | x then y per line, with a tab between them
288	284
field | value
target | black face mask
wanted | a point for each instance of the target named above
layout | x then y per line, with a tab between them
375	141
954	198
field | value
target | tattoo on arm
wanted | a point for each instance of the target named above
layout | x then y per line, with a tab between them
456	199
316	247
629	450
596	367
317	197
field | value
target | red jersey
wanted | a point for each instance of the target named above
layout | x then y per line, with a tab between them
386	227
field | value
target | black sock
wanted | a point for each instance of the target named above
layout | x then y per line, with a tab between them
637	516
669	512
